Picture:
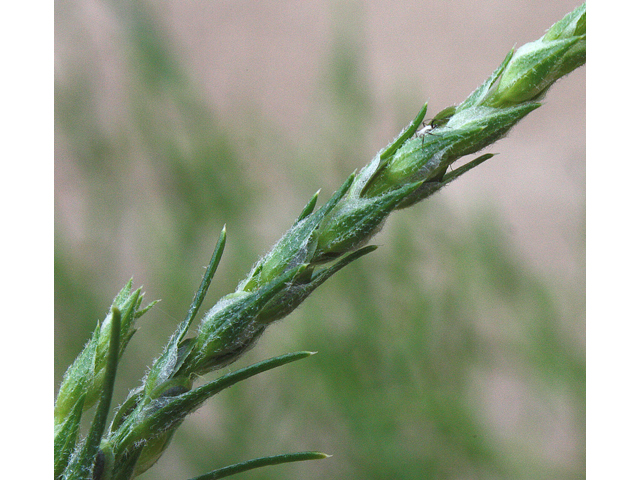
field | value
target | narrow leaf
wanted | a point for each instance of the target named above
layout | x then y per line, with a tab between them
261	462
204	285
405	135
308	209
83	463
170	360
451	176
174	410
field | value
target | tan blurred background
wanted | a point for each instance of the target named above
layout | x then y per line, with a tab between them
265	60
301	94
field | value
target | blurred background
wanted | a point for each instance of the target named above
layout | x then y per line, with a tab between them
455	351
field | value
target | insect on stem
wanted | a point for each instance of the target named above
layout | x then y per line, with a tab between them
440	120
424	130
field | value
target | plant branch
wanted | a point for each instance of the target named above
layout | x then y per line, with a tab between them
411	168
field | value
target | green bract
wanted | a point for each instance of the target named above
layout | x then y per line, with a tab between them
86	375
537	65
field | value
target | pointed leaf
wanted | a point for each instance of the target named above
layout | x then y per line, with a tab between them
82	464
164	414
261	462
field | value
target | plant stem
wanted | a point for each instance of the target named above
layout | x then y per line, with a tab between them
411	168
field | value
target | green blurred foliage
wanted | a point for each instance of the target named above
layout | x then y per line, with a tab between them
441	355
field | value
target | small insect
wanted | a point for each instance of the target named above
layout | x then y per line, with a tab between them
440	120
424	130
